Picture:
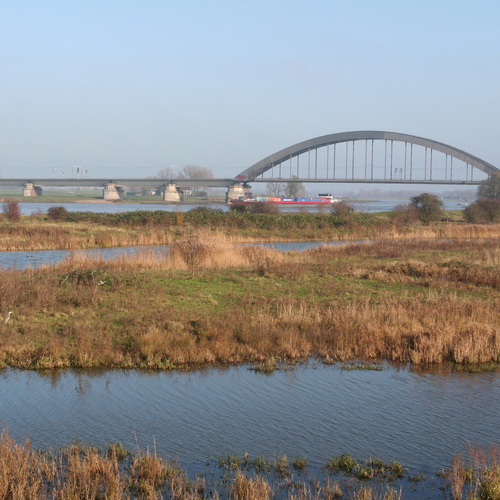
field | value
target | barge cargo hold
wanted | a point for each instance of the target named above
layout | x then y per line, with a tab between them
321	199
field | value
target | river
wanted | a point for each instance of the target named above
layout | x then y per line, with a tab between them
365	206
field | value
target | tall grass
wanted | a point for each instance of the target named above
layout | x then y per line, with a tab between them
52	236
478	476
24	473
81	471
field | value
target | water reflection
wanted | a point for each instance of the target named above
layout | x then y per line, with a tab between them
317	411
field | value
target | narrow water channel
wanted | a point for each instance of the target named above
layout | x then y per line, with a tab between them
316	411
35	258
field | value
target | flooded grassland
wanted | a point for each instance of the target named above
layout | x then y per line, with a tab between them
210	302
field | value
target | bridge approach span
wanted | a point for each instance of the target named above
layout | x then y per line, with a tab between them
268	163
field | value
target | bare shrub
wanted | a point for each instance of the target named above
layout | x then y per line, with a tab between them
192	251
342	208
12	210
343	213
404	214
238	206
205	249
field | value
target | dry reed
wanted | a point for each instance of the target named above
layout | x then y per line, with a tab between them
198	250
32	233
81	471
408	301
478	477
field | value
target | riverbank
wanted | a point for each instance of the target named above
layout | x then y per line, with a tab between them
87	230
210	302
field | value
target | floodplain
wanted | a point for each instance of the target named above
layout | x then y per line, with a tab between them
415	295
210	302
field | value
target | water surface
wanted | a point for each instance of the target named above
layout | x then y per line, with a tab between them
314	411
366	206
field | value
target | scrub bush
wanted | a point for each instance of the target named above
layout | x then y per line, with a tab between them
12	210
57	213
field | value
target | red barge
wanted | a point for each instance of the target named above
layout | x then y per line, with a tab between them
321	199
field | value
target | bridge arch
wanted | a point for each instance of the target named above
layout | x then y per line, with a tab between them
269	162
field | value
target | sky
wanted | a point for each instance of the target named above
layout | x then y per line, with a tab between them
125	88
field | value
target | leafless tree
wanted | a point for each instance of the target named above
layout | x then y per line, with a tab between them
196	173
276	188
167	173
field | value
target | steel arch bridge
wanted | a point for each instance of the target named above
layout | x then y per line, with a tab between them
370	157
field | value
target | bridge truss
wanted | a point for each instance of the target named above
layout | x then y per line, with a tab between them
370	157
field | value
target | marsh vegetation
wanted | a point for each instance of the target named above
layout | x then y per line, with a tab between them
85	471
211	302
424	294
59	229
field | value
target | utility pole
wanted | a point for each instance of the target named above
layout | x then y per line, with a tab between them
78	167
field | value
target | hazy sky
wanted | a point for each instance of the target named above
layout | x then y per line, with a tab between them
125	88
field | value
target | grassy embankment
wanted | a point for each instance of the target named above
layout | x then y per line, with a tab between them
76	230
83	471
212	302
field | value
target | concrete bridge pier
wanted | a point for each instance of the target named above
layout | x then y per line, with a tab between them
112	193
235	191
171	193
30	189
